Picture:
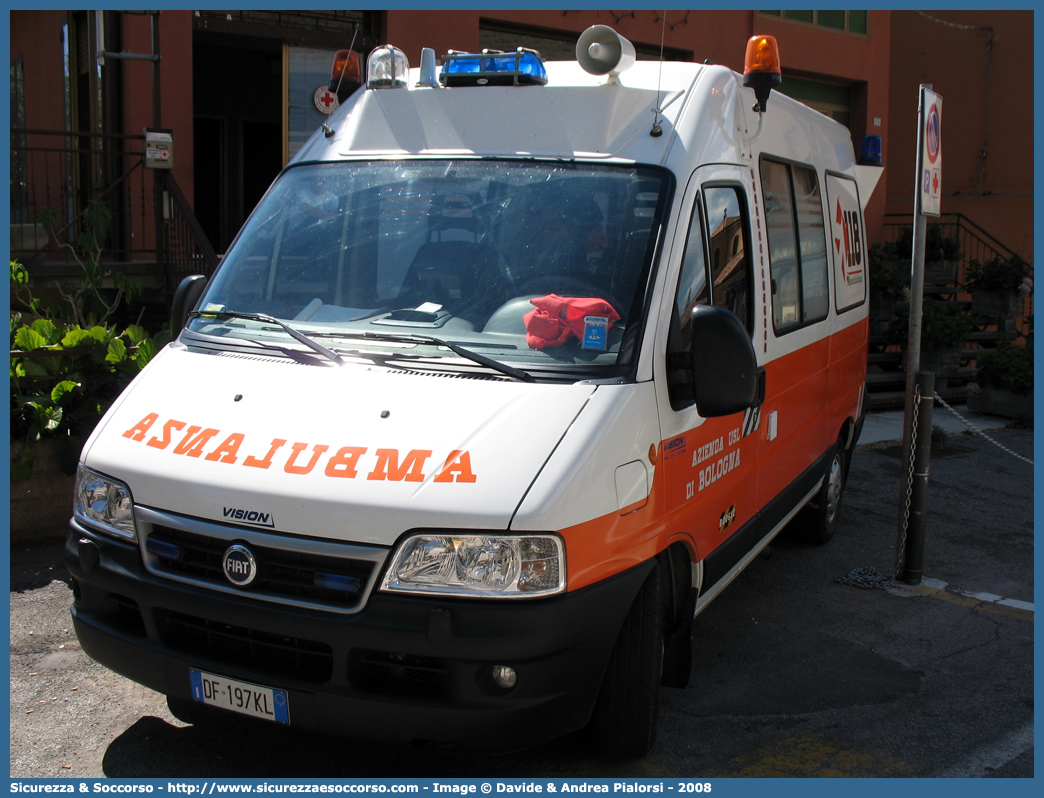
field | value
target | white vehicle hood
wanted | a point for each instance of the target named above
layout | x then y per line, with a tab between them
351	453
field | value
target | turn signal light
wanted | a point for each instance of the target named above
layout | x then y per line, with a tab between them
762	55
345	74
761	68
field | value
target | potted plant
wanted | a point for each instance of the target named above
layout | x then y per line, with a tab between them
67	362
945	327
999	287
941	253
1004	383
889	285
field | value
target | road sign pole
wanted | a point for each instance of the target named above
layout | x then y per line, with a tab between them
920	457
913	352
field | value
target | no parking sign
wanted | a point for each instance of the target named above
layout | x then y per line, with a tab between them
930	173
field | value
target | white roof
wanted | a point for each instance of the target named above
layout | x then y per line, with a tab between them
703	113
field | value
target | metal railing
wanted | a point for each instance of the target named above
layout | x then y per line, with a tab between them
974	244
62	173
186	248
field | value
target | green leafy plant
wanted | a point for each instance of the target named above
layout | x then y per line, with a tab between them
1007	368
937	244
20	294
944	325
63	379
999	274
889	276
95	297
64	375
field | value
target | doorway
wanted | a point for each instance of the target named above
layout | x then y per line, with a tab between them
237	130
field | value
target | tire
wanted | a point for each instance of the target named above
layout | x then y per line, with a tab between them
624	720
820	518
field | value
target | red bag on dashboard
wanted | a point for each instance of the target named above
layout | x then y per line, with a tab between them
557	319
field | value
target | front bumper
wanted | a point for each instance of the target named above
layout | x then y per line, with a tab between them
404	668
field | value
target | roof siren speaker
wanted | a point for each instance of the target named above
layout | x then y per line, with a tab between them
602	51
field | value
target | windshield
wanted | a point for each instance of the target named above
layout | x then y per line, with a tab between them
544	265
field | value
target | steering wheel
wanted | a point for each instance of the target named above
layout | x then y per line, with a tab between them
569	286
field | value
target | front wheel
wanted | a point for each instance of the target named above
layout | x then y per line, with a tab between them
624	720
822	514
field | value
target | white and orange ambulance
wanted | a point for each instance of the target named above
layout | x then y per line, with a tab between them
513	369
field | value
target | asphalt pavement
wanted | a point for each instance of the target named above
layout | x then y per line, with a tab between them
813	663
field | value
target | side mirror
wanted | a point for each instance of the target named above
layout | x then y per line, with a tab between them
185	298
724	366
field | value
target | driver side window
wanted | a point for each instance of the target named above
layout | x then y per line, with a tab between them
715	270
729	264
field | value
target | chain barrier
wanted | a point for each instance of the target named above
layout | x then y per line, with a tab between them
978	431
901	554
867	577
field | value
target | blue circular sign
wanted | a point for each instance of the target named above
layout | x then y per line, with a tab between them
933	133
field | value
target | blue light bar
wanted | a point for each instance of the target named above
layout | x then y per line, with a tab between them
524	67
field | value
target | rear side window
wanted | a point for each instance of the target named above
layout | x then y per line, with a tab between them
797	244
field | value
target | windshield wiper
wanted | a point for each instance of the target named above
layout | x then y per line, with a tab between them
413	338
297	335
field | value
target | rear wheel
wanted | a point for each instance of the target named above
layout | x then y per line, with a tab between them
624	719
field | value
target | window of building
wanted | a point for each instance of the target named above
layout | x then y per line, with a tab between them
847	21
832	99
557	45
797	244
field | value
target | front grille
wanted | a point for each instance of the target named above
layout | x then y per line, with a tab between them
320	579
391	673
236	646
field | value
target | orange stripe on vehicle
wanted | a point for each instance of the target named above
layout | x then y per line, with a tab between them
604	546
711	480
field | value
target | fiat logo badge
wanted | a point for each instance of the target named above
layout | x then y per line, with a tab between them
239	565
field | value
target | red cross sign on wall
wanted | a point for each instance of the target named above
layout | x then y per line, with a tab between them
325	100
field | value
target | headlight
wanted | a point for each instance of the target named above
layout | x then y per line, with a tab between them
104	503
478	565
